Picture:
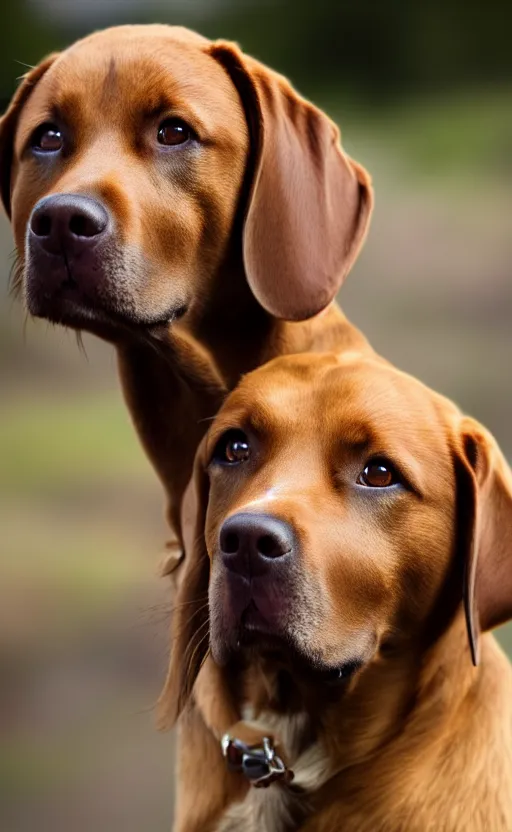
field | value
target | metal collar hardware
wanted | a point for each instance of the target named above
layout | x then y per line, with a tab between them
259	763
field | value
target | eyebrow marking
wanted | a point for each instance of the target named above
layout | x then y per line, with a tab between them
65	108
157	109
110	81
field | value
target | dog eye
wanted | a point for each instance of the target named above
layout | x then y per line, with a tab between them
232	448
174	131
47	138
378	473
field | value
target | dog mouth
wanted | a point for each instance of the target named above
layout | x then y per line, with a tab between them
69	306
253	622
281	621
56	293
257	639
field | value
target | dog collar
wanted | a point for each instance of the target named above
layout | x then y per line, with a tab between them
259	763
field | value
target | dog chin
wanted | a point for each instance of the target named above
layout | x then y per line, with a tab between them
248	642
282	655
244	644
69	308
252	641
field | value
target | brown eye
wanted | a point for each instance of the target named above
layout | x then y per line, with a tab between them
173	131
47	138
232	448
379	473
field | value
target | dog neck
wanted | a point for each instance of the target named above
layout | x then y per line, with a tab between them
181	374
240	335
334	742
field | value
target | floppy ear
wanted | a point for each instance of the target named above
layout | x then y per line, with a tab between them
189	627
488	567
8	124
309	203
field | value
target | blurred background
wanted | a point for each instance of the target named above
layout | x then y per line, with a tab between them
423	94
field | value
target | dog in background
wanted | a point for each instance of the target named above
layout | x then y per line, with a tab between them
179	199
352	550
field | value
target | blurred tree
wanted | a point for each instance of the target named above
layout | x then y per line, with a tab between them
24	39
371	50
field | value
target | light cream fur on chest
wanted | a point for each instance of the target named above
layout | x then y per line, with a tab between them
278	809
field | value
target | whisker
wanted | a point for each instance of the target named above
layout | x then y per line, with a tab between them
201	609
22	63
80	344
208	652
189	603
15	275
190	675
197	632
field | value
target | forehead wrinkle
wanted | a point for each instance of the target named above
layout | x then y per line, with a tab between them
110	81
162	62
264	411
411	436
67	107
370	406
376	391
130	86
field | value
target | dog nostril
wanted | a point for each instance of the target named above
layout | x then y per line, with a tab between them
268	546
231	543
82	226
42	225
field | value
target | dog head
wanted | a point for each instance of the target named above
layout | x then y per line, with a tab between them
344	511
136	162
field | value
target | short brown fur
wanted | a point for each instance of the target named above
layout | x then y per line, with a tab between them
216	247
418	739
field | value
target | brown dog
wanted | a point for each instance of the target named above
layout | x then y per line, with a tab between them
352	549
179	199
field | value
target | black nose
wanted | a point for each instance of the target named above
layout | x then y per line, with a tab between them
251	542
68	222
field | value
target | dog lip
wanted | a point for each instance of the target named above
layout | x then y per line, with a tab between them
253	620
67	304
70	307
250	604
255	631
281	648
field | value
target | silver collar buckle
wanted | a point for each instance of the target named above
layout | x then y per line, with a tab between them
259	763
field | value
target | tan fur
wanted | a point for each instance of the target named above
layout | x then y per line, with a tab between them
419	739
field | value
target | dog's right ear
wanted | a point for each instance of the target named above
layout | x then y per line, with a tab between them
487	519
8	124
189	627
309	204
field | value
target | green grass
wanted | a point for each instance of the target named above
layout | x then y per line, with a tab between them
47	444
464	135
471	134
64	462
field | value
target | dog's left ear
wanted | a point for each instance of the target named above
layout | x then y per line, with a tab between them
9	121
309	204
487	517
189	626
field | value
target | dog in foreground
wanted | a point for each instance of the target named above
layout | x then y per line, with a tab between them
352	550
